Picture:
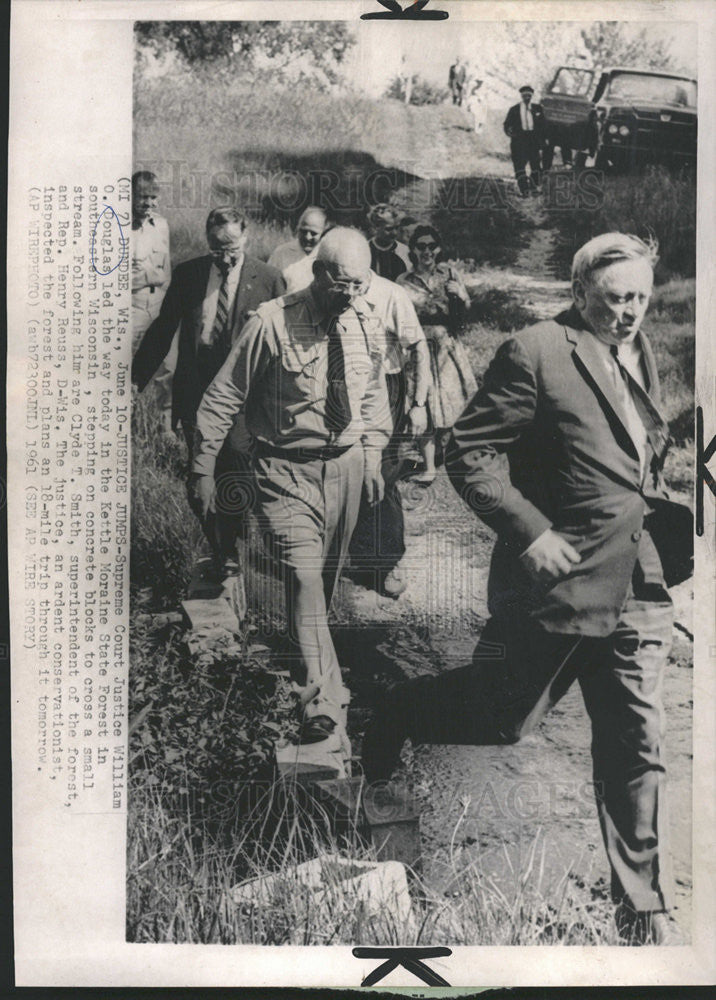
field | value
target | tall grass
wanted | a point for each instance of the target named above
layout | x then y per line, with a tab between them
183	871
166	536
271	150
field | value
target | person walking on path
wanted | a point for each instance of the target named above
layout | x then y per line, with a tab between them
307	373
561	453
441	302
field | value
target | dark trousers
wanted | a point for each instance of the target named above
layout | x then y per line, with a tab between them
519	671
525	151
378	542
233	499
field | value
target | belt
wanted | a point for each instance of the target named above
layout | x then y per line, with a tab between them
324	454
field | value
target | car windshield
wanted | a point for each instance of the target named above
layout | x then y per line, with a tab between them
656	89
572	81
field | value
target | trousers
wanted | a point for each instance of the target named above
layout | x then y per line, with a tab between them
519	671
306	512
145	309
525	150
378	542
234	496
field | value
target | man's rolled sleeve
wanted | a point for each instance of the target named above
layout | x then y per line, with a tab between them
226	396
476	458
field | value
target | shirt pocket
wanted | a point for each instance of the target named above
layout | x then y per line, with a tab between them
301	374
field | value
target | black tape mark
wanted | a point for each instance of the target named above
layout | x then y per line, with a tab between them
410	959
414	12
703	457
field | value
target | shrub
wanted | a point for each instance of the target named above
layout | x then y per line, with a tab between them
654	202
422	91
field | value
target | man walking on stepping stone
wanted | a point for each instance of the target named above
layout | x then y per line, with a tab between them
561	453
307	373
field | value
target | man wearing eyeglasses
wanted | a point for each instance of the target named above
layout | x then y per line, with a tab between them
209	300
307	373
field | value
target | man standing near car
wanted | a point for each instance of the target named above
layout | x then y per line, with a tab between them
561	453
525	126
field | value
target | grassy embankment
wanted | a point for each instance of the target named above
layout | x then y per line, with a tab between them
203	725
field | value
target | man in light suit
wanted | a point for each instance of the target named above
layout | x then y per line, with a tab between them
209	300
525	126
560	452
311	226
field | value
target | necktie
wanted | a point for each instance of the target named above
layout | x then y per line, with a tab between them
219	331
338	407
655	427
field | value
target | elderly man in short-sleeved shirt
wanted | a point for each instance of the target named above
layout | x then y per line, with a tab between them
307	373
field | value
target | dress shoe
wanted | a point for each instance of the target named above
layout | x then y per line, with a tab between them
316	729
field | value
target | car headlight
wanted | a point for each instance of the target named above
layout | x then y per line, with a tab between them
623	130
613	129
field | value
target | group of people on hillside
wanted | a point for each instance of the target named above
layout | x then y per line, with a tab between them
308	378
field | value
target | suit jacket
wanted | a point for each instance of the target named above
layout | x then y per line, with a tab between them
458	75
182	307
513	122
544	443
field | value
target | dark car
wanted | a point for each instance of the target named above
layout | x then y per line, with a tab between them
634	116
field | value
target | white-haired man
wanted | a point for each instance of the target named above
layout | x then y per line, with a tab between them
560	452
308	374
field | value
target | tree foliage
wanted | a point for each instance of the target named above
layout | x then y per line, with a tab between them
288	48
613	43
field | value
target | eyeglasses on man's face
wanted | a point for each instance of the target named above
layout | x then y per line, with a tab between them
353	287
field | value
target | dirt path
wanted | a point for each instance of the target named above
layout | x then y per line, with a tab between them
490	803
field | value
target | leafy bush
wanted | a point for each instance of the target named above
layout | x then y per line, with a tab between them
211	714
422	91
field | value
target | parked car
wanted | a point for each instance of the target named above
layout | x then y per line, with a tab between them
633	116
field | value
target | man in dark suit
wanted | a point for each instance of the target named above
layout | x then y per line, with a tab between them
561	452
456	81
525	126
209	300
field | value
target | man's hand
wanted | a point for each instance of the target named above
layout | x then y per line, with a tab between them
373	481
550	557
200	492
418	417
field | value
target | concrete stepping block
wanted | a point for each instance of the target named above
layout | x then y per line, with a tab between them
202	613
380	887
312	762
385	815
204	586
